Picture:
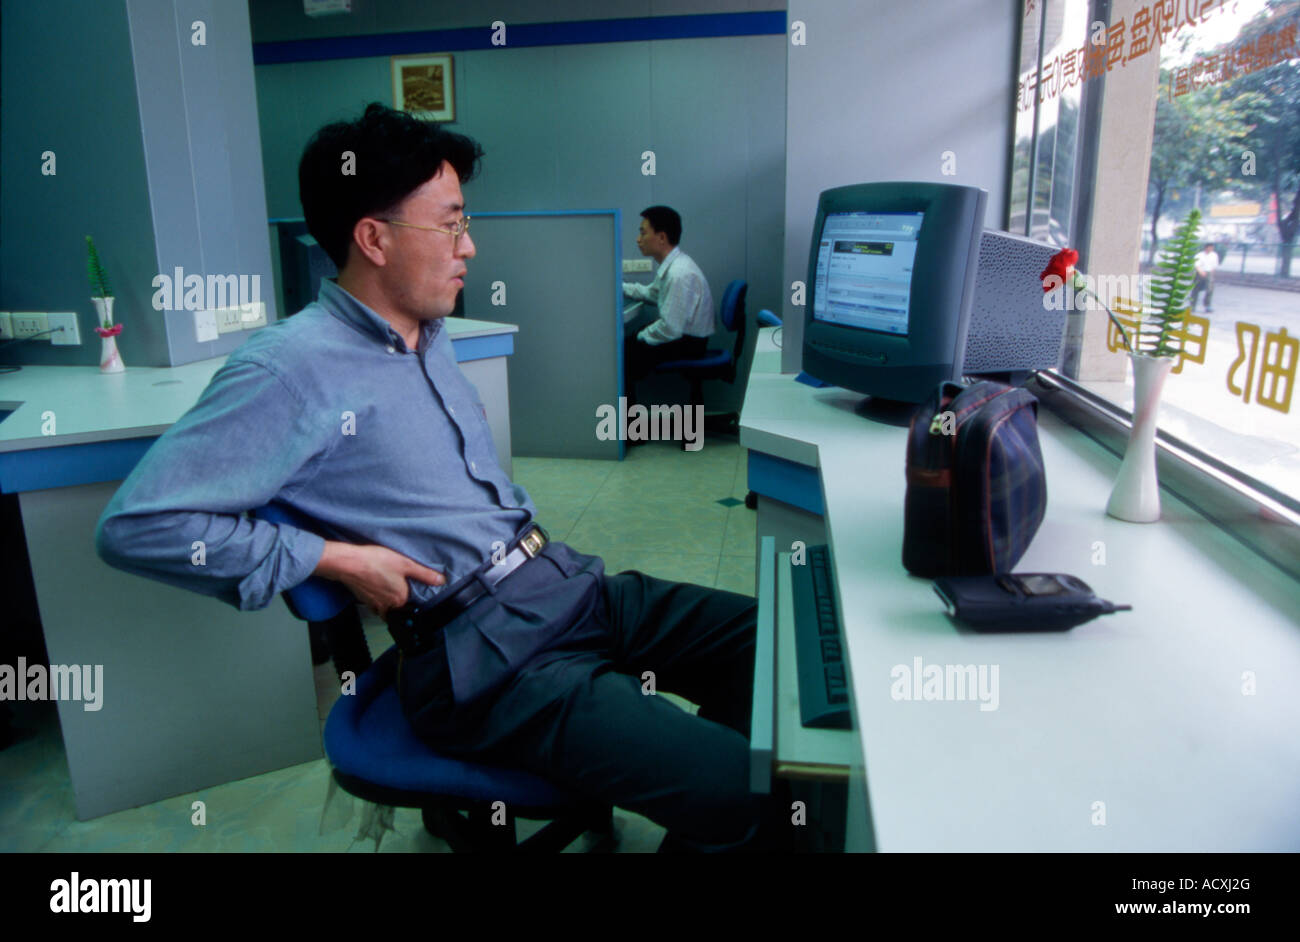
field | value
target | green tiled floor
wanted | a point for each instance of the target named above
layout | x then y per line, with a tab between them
656	511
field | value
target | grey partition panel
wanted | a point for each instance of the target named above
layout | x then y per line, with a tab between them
198	117
558	276
191	692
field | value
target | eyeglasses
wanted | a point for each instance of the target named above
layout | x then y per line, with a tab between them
459	230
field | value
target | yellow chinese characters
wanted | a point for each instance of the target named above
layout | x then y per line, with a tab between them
1277	366
1191	335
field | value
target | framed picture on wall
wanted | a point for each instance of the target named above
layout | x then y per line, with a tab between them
424	86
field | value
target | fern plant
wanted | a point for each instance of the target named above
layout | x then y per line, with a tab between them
99	285
1171	287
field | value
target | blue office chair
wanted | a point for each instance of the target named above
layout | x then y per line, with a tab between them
719	364
377	757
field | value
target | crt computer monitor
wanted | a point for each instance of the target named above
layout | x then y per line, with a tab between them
891	276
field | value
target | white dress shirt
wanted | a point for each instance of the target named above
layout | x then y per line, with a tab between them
1207	262
682	294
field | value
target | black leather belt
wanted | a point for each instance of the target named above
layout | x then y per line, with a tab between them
412	627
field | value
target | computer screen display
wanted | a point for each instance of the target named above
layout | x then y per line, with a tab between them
891	273
864	270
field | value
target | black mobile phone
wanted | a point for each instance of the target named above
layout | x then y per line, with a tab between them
1033	601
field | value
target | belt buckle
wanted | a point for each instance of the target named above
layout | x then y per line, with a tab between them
532	542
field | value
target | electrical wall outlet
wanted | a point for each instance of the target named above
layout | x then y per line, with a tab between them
253	315
636	264
27	324
70	335
6	326
229	319
205	326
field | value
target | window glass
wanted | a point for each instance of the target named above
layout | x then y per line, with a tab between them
1048	112
1226	142
1026	112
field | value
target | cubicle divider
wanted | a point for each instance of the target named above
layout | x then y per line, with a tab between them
557	275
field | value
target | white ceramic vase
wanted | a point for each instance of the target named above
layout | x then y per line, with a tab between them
110	361
1136	495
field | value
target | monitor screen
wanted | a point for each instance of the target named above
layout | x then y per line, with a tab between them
864	270
891	273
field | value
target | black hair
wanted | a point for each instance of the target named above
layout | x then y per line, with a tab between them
664	219
366	167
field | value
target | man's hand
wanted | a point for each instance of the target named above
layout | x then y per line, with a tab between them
375	574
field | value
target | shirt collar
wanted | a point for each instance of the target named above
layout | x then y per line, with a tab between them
339	302
668	259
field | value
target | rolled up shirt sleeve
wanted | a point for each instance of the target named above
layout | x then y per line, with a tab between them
179	517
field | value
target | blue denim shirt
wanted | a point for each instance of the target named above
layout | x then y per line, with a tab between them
330	412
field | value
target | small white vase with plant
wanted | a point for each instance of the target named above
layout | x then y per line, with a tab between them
110	361
1152	350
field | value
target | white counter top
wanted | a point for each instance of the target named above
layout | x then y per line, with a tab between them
1143	711
463	328
90	406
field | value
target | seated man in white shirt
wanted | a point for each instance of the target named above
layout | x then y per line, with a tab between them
681	293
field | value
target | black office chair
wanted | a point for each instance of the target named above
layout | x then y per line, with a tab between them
718	364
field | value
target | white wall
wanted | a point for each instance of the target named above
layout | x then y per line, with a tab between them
879	91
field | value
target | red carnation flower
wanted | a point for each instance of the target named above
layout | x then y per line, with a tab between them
1061	265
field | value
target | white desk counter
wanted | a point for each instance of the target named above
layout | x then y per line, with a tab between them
1137	731
70	405
195	693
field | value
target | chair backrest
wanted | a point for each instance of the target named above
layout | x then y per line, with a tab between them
732	312
316	599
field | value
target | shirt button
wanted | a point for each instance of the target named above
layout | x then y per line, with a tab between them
451	411
473	467
391	348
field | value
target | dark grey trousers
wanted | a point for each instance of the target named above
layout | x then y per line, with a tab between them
580	715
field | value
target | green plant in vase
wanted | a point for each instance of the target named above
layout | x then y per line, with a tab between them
1152	348
1159	339
101	295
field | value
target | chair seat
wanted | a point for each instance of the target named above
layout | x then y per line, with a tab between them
319	599
712	360
315	599
368	737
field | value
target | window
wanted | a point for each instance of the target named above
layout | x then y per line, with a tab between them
1047	120
1134	113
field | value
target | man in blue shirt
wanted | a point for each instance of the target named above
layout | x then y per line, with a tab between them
515	650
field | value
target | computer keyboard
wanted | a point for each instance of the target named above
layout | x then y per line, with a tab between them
819	649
